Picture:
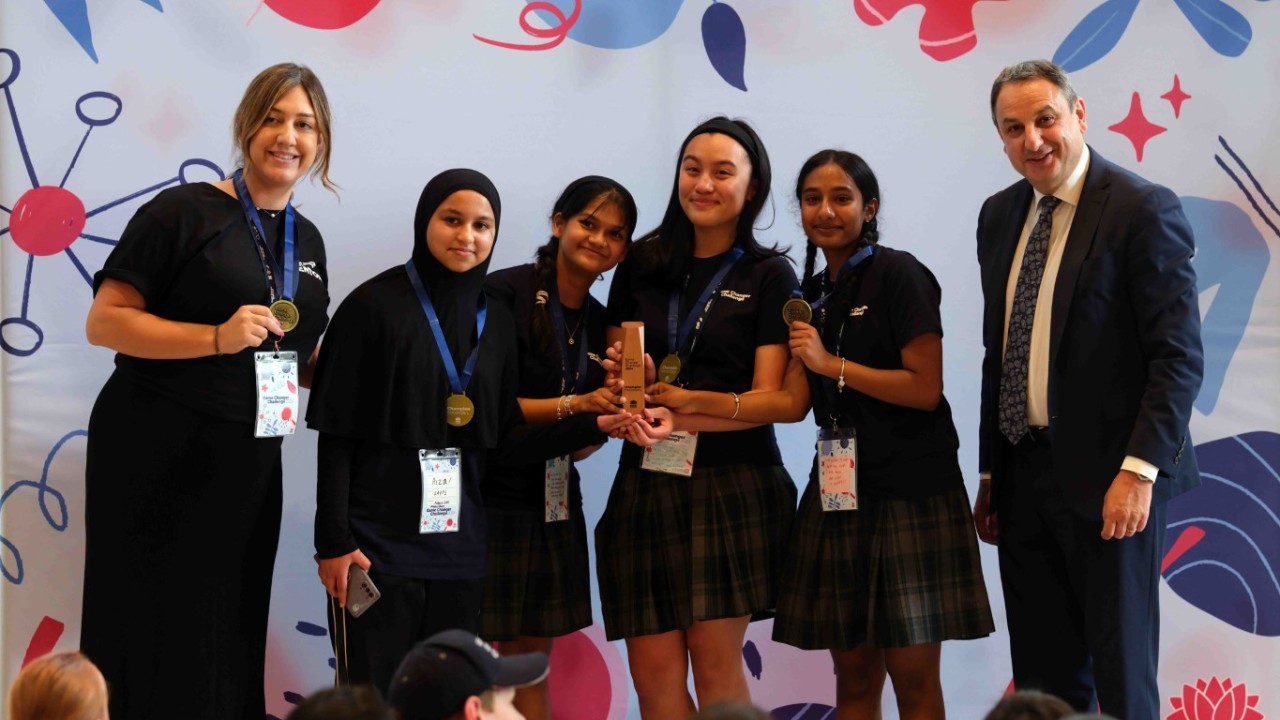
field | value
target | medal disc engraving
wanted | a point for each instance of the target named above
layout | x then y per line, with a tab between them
286	313
458	410
669	370
796	309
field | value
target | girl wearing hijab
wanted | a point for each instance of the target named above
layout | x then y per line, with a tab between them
693	534
415	384
214	290
539	583
884	560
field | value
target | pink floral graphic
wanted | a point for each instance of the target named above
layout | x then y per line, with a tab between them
1214	700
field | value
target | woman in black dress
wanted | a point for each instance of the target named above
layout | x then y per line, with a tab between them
883	564
415	389
689	548
183	479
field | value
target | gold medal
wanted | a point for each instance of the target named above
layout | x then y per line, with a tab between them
458	410
285	312
669	370
796	309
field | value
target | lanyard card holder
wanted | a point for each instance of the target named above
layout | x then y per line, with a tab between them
276	373
441	490
673	455
556	489
838	468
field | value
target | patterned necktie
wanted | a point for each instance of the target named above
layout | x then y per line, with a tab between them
1013	378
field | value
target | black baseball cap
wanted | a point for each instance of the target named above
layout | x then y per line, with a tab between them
435	679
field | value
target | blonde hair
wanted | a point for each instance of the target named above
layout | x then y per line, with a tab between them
261	95
59	686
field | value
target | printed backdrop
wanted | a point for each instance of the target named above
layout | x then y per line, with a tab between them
106	103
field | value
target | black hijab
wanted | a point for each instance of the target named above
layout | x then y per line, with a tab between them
380	375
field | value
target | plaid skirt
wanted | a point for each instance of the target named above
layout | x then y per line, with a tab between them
893	573
671	550
539	577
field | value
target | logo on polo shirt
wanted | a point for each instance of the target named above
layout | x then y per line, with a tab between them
734	295
858	311
309	268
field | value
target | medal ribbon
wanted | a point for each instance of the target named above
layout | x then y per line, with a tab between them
693	321
456	383
854	261
830	390
275	287
577	380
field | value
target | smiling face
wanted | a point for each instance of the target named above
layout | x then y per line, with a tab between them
593	241
460	233
1043	134
715	181
833	211
284	146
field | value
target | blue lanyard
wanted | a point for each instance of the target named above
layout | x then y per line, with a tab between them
695	319
270	269
578	378
456	383
854	261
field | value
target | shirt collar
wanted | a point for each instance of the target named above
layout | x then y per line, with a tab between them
1070	190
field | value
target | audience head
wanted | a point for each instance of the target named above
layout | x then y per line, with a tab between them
59	686
1030	705
353	702
454	674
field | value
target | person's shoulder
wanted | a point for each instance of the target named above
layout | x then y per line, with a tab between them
1010	193
1131	189
509	277
377	294
198	199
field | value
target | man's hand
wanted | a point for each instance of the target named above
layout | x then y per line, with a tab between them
1126	507
984	517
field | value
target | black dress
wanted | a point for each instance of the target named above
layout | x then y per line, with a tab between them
539	577
182	502
378	399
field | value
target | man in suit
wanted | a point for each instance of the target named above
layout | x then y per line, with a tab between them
1093	360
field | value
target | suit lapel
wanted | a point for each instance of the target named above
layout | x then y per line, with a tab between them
1093	198
1006	243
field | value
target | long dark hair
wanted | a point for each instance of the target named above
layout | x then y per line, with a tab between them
573	200
860	172
662	254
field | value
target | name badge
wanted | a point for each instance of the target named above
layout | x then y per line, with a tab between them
556	489
673	455
441	490
838	469
277	376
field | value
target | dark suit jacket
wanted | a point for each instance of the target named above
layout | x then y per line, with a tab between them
1125	359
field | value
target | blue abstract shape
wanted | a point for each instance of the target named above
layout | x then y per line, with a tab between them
312	629
616	24
1222	26
751	656
44	493
1225	534
804	711
74	16
1095	35
1233	255
726	42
